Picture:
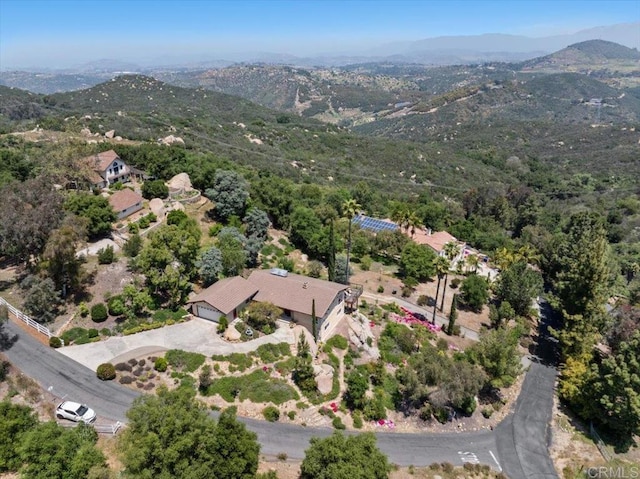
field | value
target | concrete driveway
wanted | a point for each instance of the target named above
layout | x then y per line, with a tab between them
196	335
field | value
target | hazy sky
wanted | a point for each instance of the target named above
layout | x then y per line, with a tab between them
63	33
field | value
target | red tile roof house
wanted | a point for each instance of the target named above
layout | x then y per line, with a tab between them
106	168
437	240
125	202
293	293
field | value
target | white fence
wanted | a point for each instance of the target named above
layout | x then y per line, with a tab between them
26	319
108	428
600	443
100	428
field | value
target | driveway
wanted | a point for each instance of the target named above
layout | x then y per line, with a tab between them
196	335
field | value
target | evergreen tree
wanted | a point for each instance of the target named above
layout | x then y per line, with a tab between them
453	314
302	373
580	275
331	257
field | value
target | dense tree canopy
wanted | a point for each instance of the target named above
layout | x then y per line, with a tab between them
417	261
51	451
344	457
230	193
210	265
96	209
29	212
15	421
171	436
154	189
519	285
475	292
168	262
580	274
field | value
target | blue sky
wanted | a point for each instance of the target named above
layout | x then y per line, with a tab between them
61	33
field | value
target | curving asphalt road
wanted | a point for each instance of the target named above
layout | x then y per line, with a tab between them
518	446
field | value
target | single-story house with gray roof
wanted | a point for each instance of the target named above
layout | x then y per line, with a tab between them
293	293
226	297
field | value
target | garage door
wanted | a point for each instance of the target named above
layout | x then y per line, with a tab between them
208	313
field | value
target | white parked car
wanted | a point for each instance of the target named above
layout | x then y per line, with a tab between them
75	412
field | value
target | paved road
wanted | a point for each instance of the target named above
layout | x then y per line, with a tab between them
524	437
518	446
111	401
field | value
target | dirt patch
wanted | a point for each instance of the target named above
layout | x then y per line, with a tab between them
380	280
572	448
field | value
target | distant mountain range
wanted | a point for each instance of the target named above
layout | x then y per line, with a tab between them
573	111
444	50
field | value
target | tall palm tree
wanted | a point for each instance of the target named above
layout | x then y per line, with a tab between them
442	266
473	261
504	258
412	222
451	251
349	209
529	254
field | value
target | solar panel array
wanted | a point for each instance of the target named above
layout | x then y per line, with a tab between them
373	224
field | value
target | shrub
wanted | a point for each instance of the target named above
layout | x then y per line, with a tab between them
292	415
184	360
116	307
98	313
337	423
133	362
93	333
160	365
338	342
55	342
447	467
105	332
380	289
83	309
442	344
423	300
441	414
487	412
357	420
125	380
133	228
223	324
123	367
144	223
282	456
142	362
271	413
425	412
106	255
455	282
106	372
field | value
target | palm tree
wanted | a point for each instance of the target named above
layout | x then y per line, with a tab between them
412	222
442	266
451	251
349	209
473	261
504	258
529	254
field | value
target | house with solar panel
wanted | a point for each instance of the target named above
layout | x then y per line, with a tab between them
435	240
373	224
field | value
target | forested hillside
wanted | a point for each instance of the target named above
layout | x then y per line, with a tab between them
540	169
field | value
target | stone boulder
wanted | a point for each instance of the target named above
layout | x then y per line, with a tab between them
180	183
